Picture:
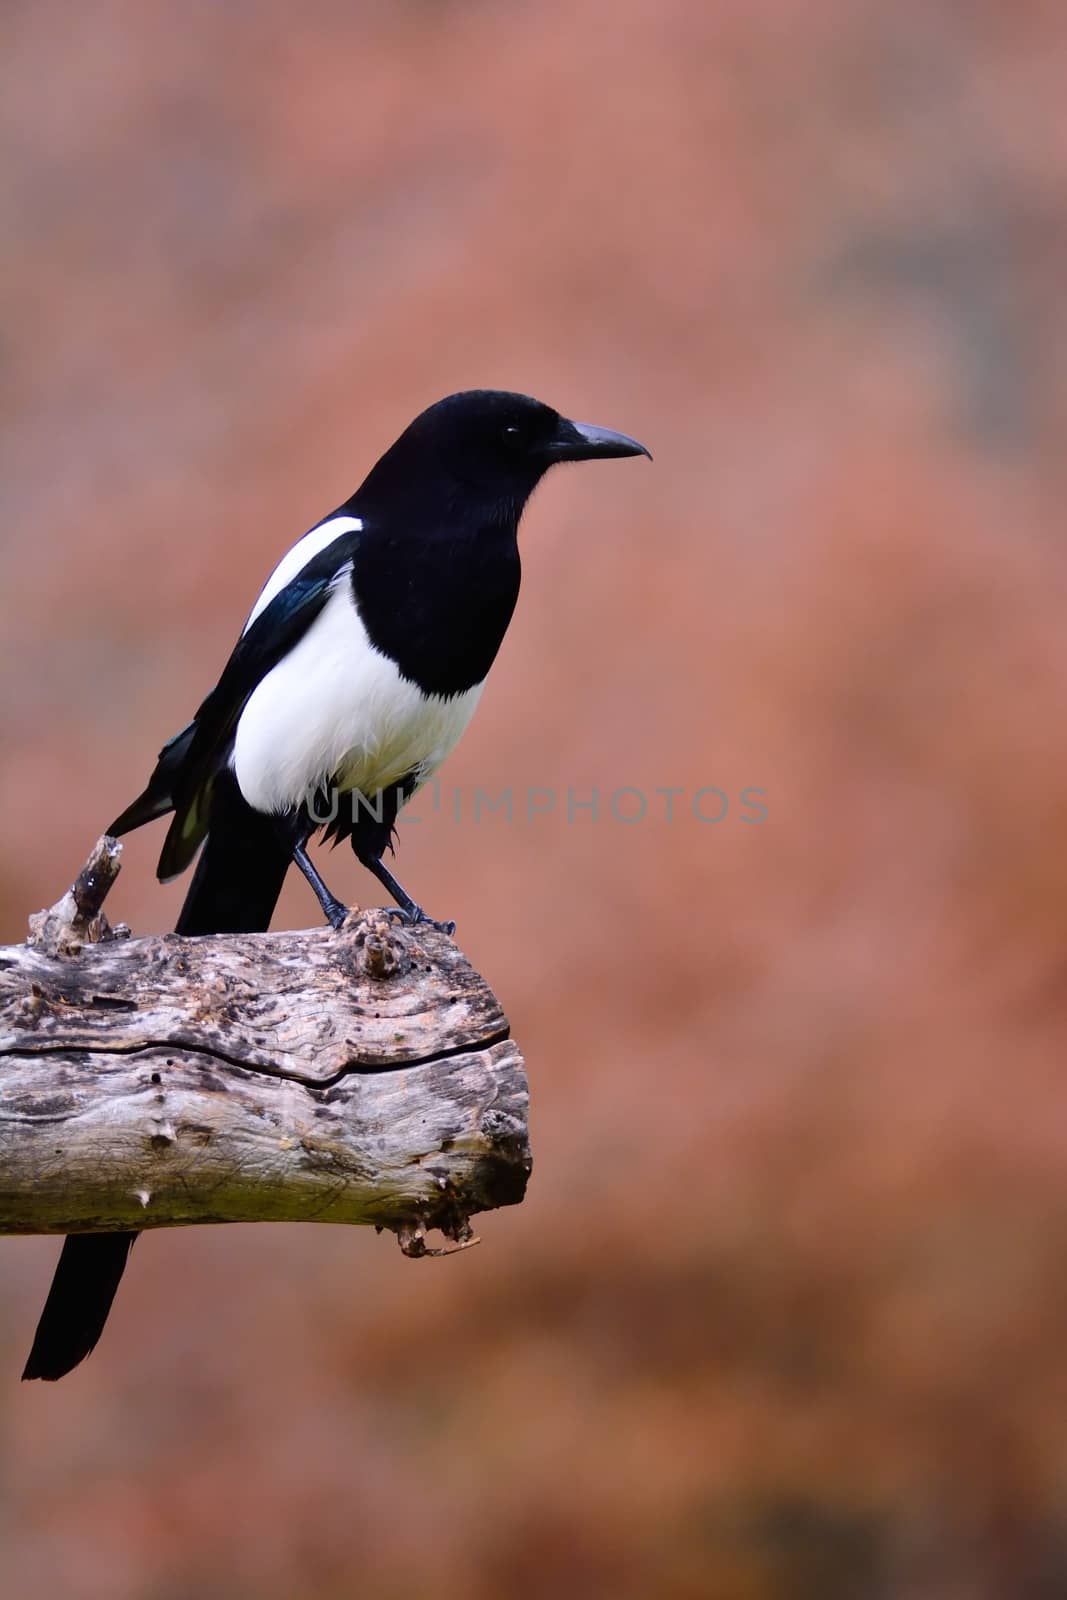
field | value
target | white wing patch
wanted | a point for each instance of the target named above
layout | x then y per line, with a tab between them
298	557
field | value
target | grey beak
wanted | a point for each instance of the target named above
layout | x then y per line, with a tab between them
581	441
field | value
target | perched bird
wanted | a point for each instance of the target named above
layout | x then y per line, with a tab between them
357	671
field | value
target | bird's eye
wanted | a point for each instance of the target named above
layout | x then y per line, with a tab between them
512	433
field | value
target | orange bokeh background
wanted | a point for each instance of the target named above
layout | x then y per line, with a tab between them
783	1314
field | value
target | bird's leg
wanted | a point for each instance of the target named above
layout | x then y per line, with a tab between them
334	910
409	911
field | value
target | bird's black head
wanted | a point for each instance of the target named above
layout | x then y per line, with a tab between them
488	449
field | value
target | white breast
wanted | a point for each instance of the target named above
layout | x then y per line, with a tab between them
335	707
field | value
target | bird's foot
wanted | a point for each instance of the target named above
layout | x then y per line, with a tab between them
335	912
414	916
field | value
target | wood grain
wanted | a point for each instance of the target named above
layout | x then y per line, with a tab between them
360	1076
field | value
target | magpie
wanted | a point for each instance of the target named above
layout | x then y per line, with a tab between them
359	667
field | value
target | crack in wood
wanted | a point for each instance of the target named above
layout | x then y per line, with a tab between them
275	1077
355	1068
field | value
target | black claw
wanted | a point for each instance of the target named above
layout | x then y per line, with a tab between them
332	908
414	917
399	914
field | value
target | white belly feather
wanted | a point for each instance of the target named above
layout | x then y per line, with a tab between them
336	708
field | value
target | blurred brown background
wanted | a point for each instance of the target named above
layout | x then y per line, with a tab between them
784	1314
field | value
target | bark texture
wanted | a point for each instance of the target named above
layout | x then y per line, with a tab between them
364	1076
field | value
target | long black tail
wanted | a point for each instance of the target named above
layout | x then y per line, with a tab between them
241	869
234	890
90	1266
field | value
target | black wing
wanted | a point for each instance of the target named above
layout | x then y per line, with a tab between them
188	765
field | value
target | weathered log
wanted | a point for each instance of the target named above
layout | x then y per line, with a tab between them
364	1076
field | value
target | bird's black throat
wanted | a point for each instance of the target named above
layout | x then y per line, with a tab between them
438	604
